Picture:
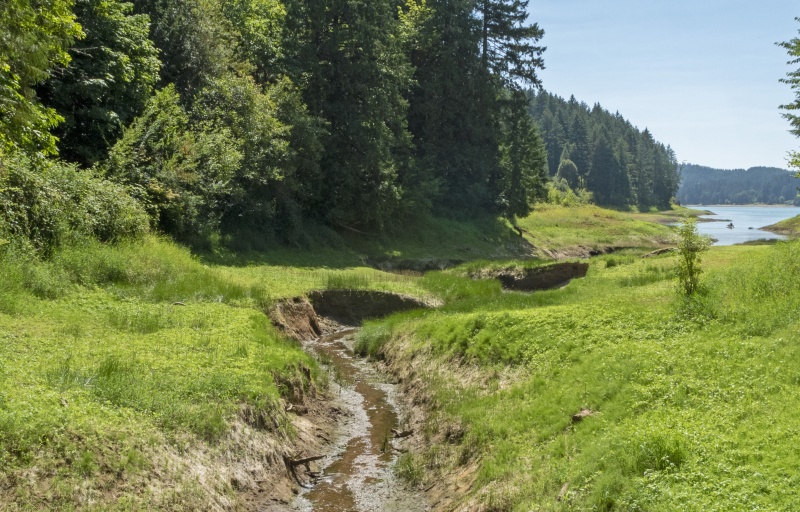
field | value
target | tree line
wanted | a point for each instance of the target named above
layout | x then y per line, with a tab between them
757	185
590	148
239	117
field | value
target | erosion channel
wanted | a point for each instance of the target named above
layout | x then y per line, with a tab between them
357	473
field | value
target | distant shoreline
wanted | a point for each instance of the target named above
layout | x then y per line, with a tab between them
741	205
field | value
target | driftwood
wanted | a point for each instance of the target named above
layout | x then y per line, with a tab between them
563	492
584	413
399	435
297	409
306	460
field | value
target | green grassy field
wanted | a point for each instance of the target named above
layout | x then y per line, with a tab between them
138	376
561	229
691	401
129	374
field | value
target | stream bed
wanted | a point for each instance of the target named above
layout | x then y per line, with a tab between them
357	475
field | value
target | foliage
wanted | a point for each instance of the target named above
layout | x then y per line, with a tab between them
690	245
177	169
792	47
619	164
47	205
107	82
36	36
351	58
259	29
764	185
196	42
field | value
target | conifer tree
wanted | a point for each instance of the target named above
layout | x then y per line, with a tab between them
792	110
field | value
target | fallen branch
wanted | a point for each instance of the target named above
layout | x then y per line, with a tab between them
354	230
306	460
563	492
399	435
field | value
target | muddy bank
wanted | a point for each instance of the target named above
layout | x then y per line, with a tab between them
544	277
351	307
357	472
411	266
579	252
356	445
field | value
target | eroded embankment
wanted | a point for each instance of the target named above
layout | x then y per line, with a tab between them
354	470
544	277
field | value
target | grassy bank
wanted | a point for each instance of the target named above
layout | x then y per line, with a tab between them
134	376
138	376
575	231
788	227
689	401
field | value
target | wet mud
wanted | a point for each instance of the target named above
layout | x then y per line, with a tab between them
357	475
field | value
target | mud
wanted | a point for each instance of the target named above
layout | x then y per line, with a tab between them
357	473
537	278
351	307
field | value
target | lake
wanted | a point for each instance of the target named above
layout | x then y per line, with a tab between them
743	218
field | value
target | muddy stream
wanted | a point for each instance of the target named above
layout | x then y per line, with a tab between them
357	475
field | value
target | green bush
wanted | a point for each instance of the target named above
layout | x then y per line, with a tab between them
46	205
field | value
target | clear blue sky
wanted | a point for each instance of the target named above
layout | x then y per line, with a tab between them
702	75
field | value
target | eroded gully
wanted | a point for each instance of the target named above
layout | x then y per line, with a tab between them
358	473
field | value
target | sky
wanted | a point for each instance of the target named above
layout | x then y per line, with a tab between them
701	75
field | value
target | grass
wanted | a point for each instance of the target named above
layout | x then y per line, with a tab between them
133	376
788	227
690	404
118	363
558	228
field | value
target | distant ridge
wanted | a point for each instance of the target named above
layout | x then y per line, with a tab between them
756	185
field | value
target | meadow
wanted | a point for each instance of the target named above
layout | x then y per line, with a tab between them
686	402
138	375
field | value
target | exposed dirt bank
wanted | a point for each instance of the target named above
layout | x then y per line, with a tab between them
579	252
350	428
544	277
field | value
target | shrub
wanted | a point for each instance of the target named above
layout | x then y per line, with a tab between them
46	204
690	245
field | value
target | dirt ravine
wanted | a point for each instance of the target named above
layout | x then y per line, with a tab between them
356	472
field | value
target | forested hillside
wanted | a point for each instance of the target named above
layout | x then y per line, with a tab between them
604	153
254	119
757	185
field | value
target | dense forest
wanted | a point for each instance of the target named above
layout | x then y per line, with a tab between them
757	185
263	116
593	149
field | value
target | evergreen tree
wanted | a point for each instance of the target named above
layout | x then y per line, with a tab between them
792	110
508	46
349	55
523	161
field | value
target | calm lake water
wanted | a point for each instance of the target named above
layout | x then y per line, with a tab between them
743	218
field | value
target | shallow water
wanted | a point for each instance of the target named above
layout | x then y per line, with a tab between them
358	475
746	222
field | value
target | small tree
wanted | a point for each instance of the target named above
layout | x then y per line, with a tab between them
792	109
690	245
